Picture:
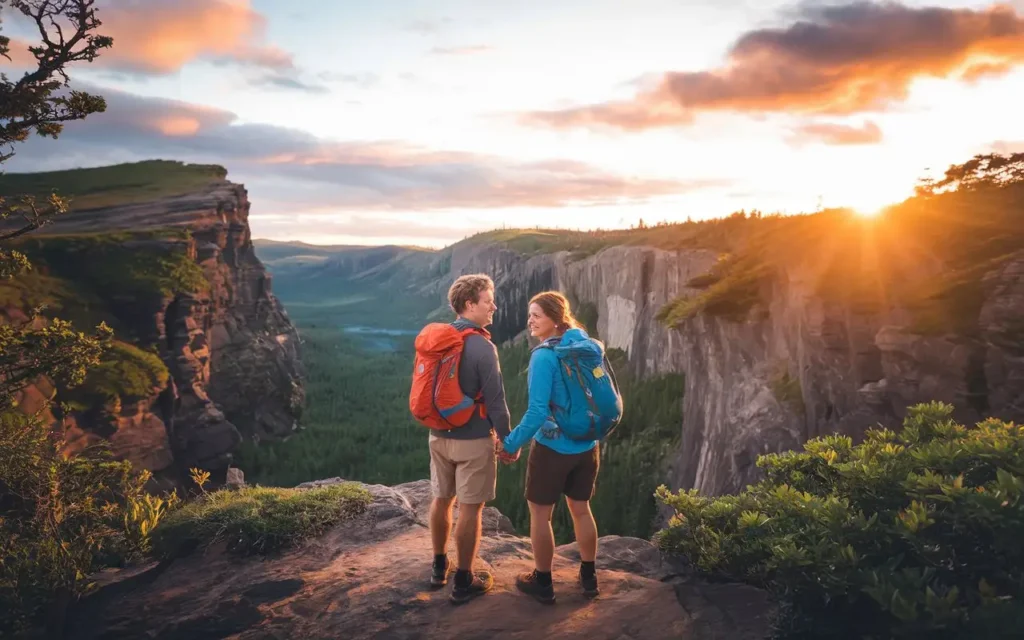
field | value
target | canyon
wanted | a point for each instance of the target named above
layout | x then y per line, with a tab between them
795	363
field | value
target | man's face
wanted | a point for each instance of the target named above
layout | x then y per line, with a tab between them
482	311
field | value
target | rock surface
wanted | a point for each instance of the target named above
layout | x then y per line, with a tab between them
232	351
369	578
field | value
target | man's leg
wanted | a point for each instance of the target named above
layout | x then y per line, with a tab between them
442	485
441	523
476	477
467	534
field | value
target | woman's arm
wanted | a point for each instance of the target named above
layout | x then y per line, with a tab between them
540	380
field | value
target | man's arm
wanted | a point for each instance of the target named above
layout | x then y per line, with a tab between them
492	386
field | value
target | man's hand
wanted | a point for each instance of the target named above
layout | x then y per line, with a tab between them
508	458
504	456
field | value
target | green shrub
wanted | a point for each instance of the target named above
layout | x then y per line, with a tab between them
125	374
62	519
258	520
910	535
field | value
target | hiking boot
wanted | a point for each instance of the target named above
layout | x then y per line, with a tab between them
529	584
588	583
439	573
481	584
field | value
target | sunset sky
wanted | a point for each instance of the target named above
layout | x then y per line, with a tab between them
422	122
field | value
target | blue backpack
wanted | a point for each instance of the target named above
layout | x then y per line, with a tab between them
595	403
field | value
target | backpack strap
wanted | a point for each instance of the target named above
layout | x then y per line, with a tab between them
465	333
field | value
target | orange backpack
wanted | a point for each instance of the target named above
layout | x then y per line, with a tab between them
436	399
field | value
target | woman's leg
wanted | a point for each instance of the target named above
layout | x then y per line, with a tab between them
578	491
585	527
542	536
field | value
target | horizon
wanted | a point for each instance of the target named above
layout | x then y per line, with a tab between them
417	125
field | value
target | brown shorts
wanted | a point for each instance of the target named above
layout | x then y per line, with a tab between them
549	474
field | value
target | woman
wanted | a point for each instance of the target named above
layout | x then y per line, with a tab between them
557	465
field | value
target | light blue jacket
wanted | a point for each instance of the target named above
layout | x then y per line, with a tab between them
545	387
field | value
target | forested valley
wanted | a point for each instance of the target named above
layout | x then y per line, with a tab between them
356	424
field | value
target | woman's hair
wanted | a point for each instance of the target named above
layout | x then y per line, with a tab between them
556	306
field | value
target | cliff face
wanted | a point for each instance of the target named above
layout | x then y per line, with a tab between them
796	367
230	351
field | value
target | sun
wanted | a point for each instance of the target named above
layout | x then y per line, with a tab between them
865	212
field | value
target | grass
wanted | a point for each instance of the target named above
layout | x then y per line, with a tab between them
114	185
118	263
258	520
117	278
125	374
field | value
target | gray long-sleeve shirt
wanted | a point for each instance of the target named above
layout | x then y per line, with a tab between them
480	371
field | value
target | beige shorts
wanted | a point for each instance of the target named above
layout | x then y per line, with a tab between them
463	469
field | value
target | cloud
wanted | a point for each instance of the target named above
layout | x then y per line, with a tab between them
837	134
281	81
1006	147
834	60
295	169
428	27
461	51
158	37
361	80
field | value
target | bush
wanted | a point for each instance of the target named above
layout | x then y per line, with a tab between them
125	374
909	535
258	520
62	519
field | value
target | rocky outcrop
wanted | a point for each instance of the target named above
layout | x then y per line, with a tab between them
796	367
369	578
230	348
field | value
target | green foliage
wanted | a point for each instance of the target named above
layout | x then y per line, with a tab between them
258	520
125	374
140	265
33	102
55	350
913	534
731	289
62	519
356	423
980	172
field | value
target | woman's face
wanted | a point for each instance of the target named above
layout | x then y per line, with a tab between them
540	326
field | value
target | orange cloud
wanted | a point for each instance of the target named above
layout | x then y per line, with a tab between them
177	126
837	60
159	37
838	134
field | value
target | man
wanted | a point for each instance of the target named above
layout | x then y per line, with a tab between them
463	459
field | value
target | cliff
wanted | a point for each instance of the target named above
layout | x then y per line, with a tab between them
791	328
206	353
369	578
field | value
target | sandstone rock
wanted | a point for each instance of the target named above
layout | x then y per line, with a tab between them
232	352
235	478
369	578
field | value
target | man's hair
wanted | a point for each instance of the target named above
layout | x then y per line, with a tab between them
467	289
